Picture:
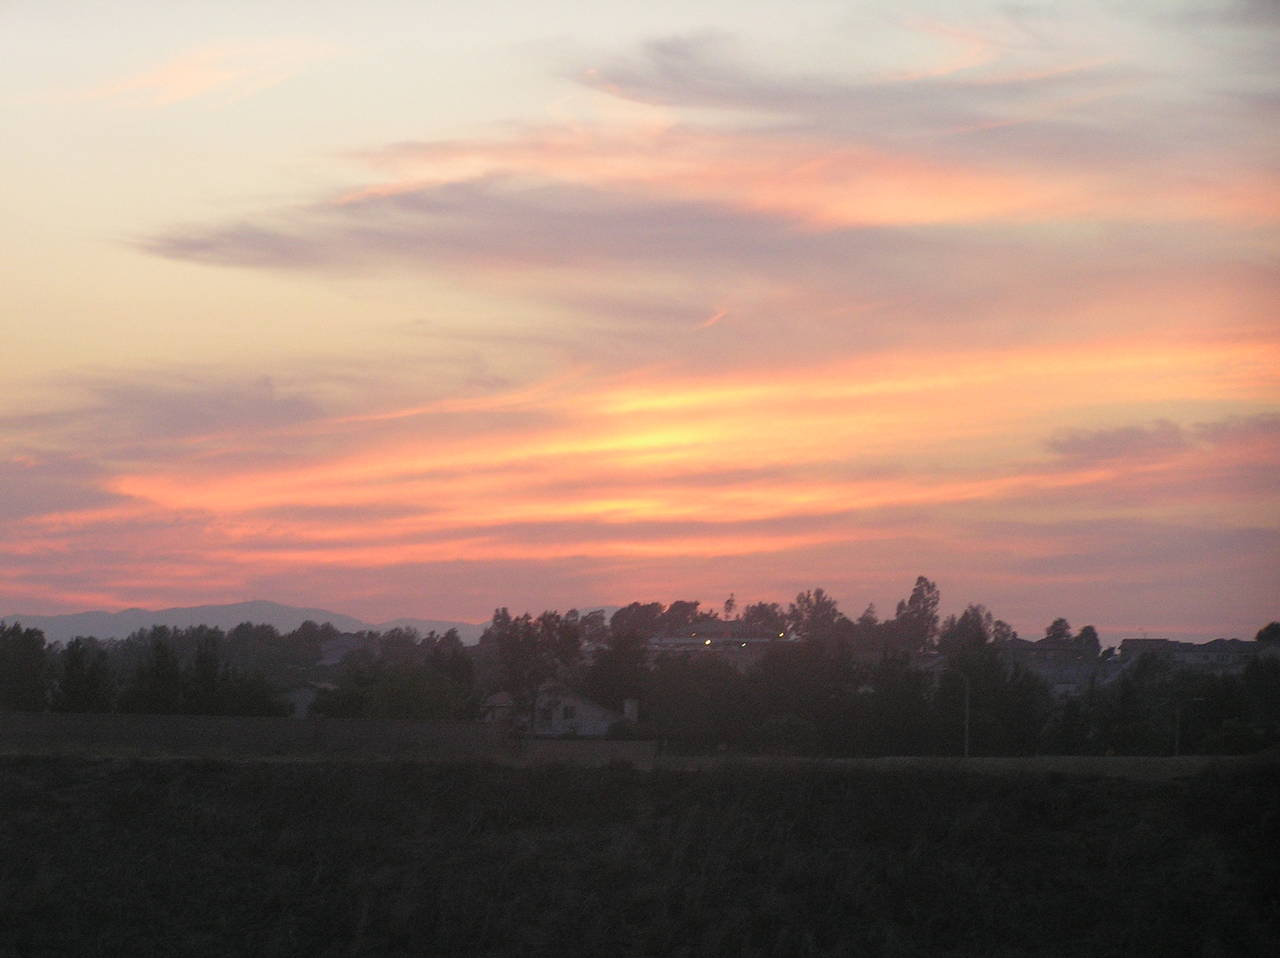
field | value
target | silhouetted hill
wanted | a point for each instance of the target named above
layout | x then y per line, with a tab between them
285	618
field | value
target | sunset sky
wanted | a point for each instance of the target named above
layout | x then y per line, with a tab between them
421	308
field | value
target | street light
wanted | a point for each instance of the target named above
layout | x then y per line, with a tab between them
967	690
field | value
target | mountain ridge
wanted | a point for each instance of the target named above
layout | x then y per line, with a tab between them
285	618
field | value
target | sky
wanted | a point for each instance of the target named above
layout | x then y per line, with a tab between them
421	309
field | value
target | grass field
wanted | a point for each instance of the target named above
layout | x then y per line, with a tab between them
1146	768
197	857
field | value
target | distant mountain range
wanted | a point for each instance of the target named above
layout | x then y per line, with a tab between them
285	618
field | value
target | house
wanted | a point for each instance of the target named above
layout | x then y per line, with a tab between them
1230	656
558	712
1064	668
499	708
723	638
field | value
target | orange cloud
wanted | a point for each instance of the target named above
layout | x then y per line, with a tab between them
823	183
819	184
616	467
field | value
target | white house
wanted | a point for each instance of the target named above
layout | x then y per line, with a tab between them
559	711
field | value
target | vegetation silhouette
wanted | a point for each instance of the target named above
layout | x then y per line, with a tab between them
816	682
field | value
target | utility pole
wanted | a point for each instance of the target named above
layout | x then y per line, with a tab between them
967	690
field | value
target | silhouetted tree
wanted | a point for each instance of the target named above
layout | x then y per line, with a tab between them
763	618
1058	631
869	620
1068	731
157	682
247	633
1261	682
85	683
1088	644
1002	632
23	669
402	647
283	660
204	679
916	622
796	695
309	631
372	686
867	636
1269	633
696	702
449	657
815	617
618	671
971	630
1135	714
895	707
561	636
1022	707
1009	707
637	619
680	616
594	628
529	651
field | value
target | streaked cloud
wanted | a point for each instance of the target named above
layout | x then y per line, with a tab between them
637	469
1158	438
982	85
161	408
225	72
1260	428
984	294
36	485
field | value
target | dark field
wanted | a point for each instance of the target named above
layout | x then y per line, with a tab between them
188	857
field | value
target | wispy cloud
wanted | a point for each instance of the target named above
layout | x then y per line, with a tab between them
41	484
223	72
1001	316
923	157
658	469
1158	438
144	417
979	88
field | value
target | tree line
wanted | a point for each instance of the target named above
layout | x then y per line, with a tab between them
248	670
912	683
198	670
